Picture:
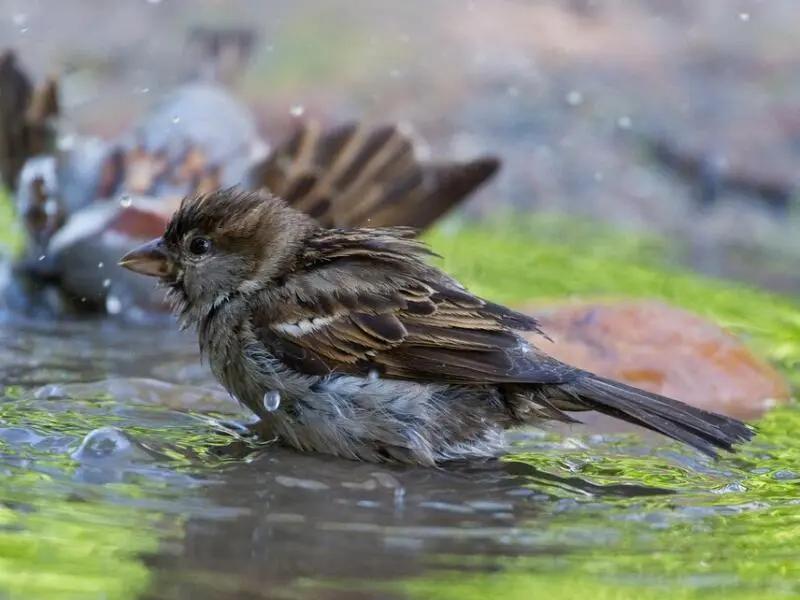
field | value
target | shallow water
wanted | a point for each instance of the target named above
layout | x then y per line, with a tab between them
125	489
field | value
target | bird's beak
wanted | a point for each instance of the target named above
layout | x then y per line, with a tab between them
148	259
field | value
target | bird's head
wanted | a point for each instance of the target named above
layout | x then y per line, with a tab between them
220	245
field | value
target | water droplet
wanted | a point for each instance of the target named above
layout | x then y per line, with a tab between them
176	119
103	444
42	257
744	16
106	283
736	488
574	98
306	484
271	401
373	375
113	305
297	110
100	265
125	201
19	435
50	391
67	141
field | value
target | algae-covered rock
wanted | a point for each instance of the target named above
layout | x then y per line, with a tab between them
718	345
663	349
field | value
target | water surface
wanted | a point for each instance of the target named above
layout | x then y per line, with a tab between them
125	489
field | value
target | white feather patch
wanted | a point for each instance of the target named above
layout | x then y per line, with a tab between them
304	327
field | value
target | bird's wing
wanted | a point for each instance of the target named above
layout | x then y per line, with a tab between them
353	313
356	176
25	114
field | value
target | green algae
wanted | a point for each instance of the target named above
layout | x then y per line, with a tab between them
515	266
744	543
730	531
11	234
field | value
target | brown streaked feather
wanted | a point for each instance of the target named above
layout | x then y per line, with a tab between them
140	171
16	90
25	114
366	299
45	102
40	133
443	186
112	173
355	176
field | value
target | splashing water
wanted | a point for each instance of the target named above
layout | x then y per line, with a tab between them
272	401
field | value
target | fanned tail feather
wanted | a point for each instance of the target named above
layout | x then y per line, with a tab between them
358	176
703	430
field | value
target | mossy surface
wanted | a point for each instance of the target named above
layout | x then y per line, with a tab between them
11	235
730	529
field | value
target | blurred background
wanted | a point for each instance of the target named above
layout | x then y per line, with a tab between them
636	136
676	122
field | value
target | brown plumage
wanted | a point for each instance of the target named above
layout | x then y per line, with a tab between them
15	95
25	114
357	176
349	342
351	175
41	223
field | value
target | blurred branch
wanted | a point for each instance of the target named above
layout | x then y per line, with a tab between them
710	177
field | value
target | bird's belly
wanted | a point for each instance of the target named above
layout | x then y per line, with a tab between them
363	418
250	381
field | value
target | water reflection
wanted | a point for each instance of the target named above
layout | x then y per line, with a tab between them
117	454
37	352
306	518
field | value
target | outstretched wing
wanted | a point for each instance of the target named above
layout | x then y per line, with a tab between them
369	303
355	176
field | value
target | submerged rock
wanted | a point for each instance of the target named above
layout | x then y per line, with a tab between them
663	349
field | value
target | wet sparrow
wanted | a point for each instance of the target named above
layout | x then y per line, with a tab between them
348	342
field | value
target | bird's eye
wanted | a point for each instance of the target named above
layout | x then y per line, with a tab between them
199	246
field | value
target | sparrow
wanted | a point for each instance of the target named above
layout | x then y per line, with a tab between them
350	342
86	203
